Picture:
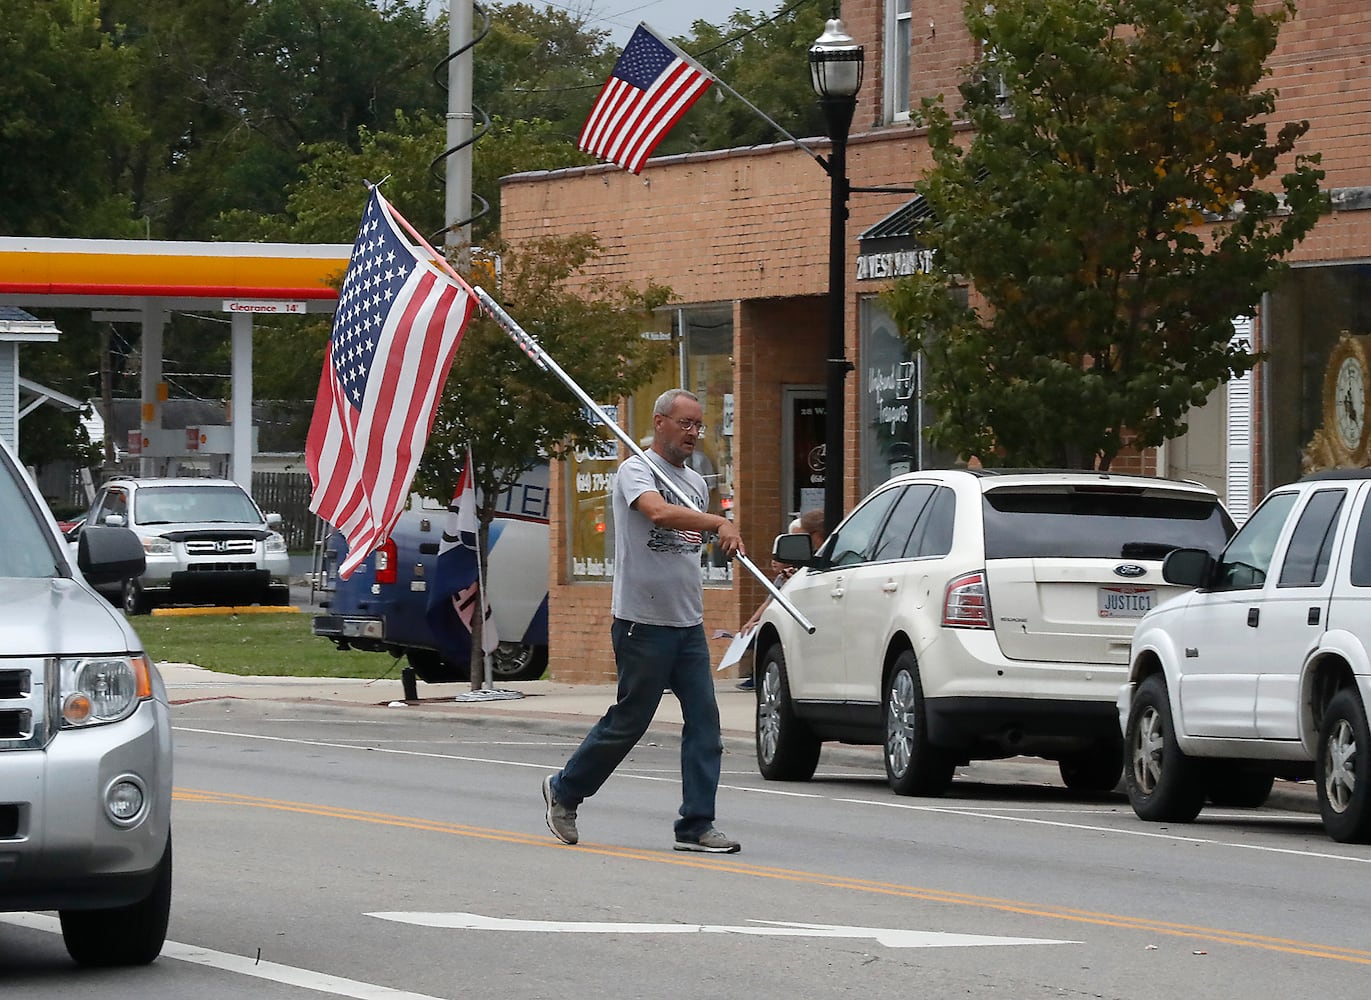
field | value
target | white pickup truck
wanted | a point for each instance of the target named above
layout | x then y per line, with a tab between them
1264	670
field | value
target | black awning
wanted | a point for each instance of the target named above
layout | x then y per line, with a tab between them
903	223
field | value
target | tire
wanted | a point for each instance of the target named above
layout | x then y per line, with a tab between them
433	669
135	599
276	597
515	661
1095	771
787	750
1343	769
1163	785
124	935
913	766
1236	786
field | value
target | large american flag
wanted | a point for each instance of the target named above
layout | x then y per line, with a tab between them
398	324
652	86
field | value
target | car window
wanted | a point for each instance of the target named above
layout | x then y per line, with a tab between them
184	504
932	536
1361	549
1247	560
1099	523
1311	546
115	501
29	550
901	523
852	543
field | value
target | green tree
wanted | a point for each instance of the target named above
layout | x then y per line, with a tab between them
63	90
513	414
1118	204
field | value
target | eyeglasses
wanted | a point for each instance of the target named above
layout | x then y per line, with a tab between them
688	425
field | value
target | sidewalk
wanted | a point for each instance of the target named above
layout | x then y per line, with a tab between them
573	708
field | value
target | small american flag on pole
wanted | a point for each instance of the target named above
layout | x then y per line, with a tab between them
398	324
652	86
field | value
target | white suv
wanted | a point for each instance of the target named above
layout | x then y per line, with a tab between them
1264	671
206	542
968	615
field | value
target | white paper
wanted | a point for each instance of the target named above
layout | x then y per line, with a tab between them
736	649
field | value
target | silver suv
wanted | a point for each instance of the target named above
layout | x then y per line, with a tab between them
85	739
969	615
206	543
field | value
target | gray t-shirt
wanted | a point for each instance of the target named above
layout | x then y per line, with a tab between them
656	570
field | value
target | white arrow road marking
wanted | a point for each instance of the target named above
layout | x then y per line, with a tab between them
891	937
320	982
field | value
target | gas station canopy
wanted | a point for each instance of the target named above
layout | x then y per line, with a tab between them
141	280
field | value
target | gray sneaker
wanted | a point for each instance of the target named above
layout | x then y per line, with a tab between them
560	820
709	842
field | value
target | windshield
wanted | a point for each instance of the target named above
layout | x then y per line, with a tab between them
193	504
28	548
1100	524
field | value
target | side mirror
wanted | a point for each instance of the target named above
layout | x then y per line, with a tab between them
1188	567
273	520
107	554
114	521
793	550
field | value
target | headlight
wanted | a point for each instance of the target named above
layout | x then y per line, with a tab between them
276	542
157	546
99	689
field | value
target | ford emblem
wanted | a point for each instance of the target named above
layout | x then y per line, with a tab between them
1129	570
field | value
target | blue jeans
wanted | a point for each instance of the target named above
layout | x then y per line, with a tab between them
649	658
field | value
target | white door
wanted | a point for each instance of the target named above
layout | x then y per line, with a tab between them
1219	634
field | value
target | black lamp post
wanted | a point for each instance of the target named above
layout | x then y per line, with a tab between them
835	66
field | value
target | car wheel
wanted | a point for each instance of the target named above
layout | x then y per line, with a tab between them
516	661
136	600
276	597
786	748
124	935
1236	786
1343	770
1096	770
1163	784
913	766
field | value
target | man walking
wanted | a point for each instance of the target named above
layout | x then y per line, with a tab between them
658	631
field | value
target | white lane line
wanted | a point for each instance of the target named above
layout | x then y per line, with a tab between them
952	811
891	937
1086	828
240	965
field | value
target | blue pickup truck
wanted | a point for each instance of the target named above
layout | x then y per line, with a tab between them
383	605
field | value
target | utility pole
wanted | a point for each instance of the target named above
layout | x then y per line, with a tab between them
457	205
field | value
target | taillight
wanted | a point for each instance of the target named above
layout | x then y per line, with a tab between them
387	562
966	603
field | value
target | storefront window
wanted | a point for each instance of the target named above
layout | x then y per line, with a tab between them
893	413
1318	336
701	361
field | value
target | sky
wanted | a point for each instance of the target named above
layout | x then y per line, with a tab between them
667	17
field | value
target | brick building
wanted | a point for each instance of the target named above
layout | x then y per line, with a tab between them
741	236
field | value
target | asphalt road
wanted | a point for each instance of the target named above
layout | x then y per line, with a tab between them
350	851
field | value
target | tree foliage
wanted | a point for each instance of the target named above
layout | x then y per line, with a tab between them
1114	212
64	90
516	415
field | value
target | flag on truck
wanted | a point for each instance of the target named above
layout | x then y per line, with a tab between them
652	85
455	587
398	324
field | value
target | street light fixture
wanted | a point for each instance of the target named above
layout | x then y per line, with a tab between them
836	63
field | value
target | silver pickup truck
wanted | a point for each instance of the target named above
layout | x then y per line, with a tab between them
85	739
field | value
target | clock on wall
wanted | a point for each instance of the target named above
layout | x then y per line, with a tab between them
1342	441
